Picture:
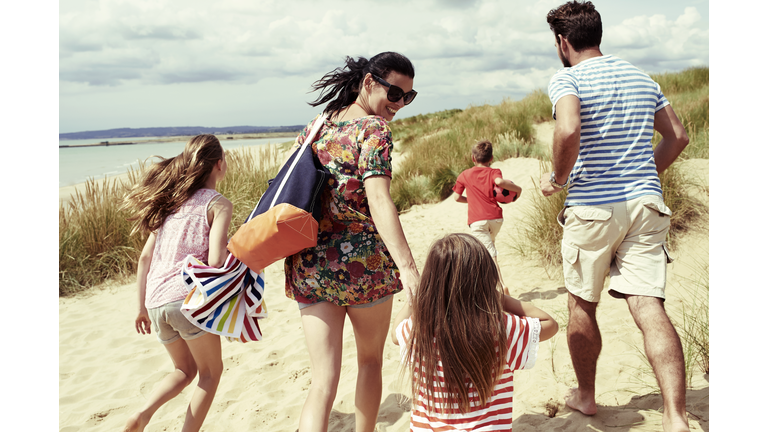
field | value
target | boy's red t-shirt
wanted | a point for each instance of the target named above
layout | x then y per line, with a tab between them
479	182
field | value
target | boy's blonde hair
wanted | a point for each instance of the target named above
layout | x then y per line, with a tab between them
483	151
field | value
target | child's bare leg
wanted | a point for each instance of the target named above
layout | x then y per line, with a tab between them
206	351
173	383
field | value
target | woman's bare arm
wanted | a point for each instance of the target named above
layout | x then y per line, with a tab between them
387	221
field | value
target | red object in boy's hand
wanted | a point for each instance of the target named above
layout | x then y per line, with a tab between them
503	196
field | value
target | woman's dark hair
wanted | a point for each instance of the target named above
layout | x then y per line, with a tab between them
342	85
578	22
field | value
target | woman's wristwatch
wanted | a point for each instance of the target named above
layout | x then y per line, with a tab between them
553	181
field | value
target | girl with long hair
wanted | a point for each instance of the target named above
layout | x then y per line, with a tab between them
362	257
176	202
461	340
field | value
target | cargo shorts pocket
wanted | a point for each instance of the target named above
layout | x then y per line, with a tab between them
656	203
590	213
666	253
570	270
587	227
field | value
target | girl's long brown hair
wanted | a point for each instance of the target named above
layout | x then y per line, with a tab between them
170	182
458	319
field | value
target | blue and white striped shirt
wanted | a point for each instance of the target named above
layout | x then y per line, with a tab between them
618	104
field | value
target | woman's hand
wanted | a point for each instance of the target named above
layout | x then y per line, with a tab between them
410	280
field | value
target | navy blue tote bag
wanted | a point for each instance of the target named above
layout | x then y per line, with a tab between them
285	219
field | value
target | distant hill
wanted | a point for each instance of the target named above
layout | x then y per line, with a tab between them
176	131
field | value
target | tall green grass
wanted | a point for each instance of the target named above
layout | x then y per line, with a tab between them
693	322
95	243
688	94
539	234
687	211
684	81
407	130
248	174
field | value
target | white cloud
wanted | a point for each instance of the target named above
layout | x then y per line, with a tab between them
656	42
482	50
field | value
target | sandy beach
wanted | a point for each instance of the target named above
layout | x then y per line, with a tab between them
107	370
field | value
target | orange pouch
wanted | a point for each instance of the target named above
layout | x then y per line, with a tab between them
273	235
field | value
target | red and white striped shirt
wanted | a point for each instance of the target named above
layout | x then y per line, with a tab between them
496	414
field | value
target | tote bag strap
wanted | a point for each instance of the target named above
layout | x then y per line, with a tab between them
307	141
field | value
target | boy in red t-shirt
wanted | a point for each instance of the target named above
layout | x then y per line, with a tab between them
485	215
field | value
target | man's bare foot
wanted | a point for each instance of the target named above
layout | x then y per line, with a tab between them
582	403
135	423
677	425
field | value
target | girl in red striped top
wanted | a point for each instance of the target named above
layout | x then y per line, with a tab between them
450	339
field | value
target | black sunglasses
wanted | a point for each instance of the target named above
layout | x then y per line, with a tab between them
395	93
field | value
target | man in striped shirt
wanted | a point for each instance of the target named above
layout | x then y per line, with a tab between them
614	219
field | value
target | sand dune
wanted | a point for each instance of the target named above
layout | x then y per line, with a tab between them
107	369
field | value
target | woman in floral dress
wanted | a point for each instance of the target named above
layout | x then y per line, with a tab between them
362	257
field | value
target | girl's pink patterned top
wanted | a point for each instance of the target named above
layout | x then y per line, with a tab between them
183	233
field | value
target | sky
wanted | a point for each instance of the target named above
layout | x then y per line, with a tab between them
149	63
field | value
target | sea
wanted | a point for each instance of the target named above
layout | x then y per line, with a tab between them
78	164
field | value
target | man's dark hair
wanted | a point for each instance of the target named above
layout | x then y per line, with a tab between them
578	22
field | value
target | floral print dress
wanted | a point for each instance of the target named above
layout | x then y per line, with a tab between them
350	264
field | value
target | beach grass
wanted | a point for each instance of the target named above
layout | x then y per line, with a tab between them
407	130
692	322
95	244
540	234
248	173
687	211
688	94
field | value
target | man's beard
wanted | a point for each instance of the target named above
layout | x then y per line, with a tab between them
565	61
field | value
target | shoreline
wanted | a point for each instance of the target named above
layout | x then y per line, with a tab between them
183	138
67	192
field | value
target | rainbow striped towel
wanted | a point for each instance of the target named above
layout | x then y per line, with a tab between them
226	301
